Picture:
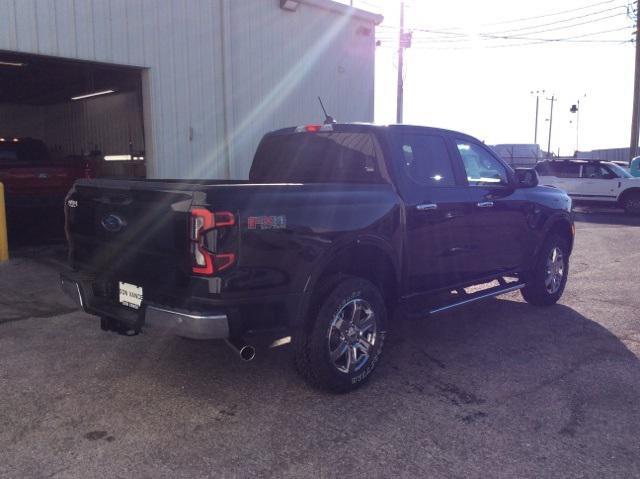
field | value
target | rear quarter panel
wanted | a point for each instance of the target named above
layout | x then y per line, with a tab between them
308	223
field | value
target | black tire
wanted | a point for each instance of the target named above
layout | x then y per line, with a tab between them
312	347
537	291
631	204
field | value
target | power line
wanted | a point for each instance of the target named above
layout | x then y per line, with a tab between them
568	26
495	35
532	41
565	19
548	14
590	34
455	31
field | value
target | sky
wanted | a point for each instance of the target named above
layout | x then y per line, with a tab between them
459	76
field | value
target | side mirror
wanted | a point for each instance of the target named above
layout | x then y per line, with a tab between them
526	177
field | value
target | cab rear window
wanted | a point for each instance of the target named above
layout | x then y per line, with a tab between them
332	157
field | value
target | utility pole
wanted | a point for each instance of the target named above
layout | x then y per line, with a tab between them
401	47
535	129
633	148
552	100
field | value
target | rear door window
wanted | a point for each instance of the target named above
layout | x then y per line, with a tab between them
317	158
426	160
568	170
546	168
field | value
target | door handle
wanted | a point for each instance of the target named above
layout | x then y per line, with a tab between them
427	206
485	204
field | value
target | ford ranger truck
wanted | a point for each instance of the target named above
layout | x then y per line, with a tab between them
336	226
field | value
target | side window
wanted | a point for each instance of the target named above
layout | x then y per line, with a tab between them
482	168
568	170
547	168
596	171
426	161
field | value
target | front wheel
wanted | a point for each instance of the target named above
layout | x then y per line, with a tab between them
547	280
343	345
632	204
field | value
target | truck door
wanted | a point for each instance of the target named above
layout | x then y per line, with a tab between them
598	183
438	215
568	176
501	237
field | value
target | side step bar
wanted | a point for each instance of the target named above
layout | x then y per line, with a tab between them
465	298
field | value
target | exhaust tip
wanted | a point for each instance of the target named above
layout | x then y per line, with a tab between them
247	353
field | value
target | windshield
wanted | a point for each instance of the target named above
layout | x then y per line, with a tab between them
619	171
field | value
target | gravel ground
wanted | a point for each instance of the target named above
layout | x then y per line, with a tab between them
498	389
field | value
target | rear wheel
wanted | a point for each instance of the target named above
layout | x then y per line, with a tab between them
632	204
548	278
343	345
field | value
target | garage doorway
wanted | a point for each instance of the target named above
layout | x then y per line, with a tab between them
61	120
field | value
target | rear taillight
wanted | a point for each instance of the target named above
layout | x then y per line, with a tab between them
205	262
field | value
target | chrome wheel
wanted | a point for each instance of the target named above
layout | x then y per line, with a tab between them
352	336
555	271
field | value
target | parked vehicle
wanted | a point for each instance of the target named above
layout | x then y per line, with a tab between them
35	187
337	225
634	167
593	181
30	177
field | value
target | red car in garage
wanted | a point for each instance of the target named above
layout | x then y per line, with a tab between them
33	182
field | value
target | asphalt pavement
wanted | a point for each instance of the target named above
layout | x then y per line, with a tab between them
498	389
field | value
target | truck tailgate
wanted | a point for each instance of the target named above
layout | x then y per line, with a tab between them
131	231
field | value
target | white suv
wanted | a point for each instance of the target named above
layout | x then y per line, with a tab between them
595	181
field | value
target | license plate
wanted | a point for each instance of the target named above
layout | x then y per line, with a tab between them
130	295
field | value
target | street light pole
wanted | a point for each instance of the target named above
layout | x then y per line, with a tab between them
400	96
633	147
553	99
578	129
576	109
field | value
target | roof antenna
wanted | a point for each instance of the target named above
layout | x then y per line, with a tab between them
328	120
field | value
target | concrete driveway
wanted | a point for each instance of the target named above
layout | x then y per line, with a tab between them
499	389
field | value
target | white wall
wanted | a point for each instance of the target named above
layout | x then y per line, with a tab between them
105	123
216	69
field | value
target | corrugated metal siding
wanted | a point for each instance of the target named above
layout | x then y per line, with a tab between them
281	61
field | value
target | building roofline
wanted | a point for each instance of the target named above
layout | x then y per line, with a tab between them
343	9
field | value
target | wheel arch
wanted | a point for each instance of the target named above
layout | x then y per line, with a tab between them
370	258
629	191
562	225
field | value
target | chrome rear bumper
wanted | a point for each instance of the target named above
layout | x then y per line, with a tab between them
188	324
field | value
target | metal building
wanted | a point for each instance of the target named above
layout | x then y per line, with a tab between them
191	83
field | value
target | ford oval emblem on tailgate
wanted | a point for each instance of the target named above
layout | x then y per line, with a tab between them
113	223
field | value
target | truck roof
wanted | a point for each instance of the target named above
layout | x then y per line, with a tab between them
361	126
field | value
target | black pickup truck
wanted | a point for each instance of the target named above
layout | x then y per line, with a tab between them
337	225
